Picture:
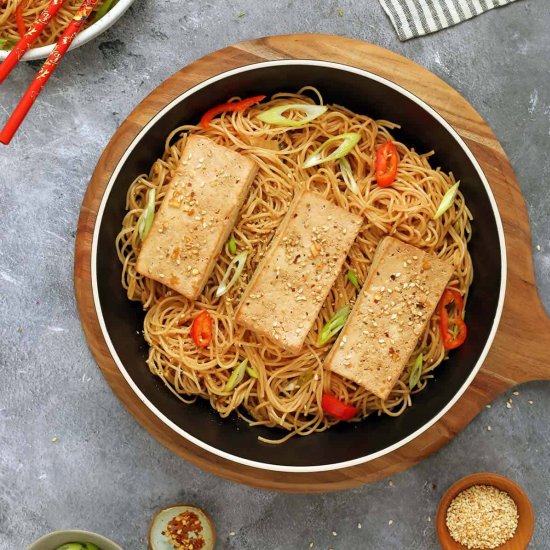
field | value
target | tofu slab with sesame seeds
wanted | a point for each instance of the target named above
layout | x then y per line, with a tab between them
287	290
197	214
402	289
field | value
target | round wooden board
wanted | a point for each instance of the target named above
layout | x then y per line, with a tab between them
519	352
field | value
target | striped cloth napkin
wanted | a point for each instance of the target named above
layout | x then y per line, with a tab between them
418	17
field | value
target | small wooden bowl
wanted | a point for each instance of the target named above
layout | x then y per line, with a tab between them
526	518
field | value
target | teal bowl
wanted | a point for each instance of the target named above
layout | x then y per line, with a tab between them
51	541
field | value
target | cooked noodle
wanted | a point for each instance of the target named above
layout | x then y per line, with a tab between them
31	10
287	393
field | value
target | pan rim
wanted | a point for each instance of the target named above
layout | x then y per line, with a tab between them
265	465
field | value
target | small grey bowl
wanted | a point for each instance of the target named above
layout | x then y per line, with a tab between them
52	540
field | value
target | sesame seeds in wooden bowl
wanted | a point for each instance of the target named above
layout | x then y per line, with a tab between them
486	495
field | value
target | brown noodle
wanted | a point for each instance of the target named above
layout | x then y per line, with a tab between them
288	390
31	10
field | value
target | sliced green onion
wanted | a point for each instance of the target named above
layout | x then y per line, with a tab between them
352	278
416	372
7	43
148	215
447	200
349	141
236	376
236	267
347	176
232	245
105	7
275	115
251	372
335	325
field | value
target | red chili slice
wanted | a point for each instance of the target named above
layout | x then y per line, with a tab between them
336	408
451	323
201	329
387	159
21	29
233	106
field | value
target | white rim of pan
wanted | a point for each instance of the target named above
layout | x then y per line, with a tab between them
265	465
110	18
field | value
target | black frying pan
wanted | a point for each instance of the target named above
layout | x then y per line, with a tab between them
344	444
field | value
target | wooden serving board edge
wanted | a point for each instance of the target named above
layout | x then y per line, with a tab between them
518	353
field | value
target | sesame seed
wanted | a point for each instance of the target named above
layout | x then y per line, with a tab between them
334	534
390	522
488	428
515	393
530	402
482	516
358	526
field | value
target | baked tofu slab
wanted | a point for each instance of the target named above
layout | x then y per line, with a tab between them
293	279
403	287
196	216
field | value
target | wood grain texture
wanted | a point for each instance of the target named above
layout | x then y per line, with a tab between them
519	352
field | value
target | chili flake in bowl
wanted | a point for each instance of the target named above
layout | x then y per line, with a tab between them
484	512
182	527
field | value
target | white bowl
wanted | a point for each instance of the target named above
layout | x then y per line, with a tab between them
86	35
52	540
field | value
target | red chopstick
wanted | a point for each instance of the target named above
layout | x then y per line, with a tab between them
26	41
46	71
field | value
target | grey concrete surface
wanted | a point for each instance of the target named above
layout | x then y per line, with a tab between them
103	472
